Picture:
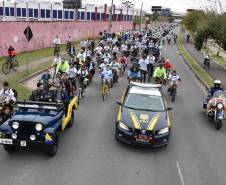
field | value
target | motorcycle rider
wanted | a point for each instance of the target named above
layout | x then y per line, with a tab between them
212	90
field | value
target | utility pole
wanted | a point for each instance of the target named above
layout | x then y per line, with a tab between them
141	13
110	18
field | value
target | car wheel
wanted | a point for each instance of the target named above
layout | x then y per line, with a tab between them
71	122
10	148
52	149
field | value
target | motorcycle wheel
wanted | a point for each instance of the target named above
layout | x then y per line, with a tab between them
218	124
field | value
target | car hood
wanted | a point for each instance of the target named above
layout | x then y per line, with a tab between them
144	120
44	118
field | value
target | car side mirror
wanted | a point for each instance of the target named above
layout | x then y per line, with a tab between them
169	108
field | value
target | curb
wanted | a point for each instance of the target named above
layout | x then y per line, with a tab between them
188	64
31	76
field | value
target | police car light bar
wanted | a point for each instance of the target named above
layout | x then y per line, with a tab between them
143	85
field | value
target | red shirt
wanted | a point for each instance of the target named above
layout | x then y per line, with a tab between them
167	65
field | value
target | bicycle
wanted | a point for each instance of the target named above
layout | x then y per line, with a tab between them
81	92
173	91
105	90
10	63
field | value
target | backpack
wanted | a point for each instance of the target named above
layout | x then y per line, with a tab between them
15	93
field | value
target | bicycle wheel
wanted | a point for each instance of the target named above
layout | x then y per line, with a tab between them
173	95
6	68
15	65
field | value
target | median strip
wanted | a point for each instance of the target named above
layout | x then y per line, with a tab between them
201	74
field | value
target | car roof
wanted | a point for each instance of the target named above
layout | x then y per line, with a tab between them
145	91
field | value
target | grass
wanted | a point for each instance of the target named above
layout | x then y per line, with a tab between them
218	59
202	75
35	55
14	81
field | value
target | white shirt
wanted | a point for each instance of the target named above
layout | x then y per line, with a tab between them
56	41
8	94
143	64
151	59
173	77
56	61
72	72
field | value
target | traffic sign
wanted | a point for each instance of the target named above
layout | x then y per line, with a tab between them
28	33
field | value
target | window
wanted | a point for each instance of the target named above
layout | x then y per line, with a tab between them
88	16
98	16
31	14
12	11
55	14
18	12
66	14
1	11
7	11
36	13
43	13
47	13
93	16
24	13
71	15
60	14
82	16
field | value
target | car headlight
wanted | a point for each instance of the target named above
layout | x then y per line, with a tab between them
38	127
220	106
163	131
123	126
15	125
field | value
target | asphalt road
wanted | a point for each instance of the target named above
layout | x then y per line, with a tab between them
89	154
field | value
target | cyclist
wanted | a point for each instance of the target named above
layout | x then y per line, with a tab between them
160	74
56	60
56	43
134	73
62	67
83	75
173	78
115	66
103	66
11	53
150	66
107	76
143	67
72	74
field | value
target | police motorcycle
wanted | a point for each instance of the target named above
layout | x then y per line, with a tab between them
215	108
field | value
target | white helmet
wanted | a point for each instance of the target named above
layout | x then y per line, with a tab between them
217	82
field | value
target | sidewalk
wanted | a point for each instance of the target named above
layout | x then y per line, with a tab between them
216	71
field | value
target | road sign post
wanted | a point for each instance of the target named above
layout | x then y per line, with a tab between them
28	34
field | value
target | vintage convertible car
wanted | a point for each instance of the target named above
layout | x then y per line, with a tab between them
143	117
37	122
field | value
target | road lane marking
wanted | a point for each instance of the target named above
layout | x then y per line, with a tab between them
180	173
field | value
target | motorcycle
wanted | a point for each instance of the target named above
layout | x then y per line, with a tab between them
215	108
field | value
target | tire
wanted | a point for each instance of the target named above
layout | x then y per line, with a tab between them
52	149
173	95
71	122
15	65
6	68
9	148
218	124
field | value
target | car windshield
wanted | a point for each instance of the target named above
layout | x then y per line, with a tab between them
144	102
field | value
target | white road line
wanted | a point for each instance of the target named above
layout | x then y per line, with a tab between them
180	173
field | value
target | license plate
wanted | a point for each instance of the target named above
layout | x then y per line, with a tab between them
6	141
143	138
23	143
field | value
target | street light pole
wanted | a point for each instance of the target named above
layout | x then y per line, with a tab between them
141	15
110	18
